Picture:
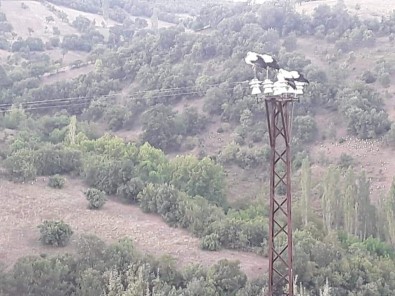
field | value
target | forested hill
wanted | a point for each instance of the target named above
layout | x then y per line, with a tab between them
148	103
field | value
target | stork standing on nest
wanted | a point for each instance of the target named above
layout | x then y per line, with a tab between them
262	61
293	76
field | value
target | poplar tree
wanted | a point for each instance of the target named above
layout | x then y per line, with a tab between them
72	127
388	214
350	204
366	215
330	201
305	184
105	8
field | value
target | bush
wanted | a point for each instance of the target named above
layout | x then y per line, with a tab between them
96	198
56	181
130	190
345	160
210	242
55	233
57	159
20	165
385	80
369	77
164	200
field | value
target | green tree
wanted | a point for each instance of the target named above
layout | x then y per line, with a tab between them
90	283
305	184
130	190
81	23
227	277
153	166
21	165
199	177
304	128
290	42
159	128
43	276
330	201
72	127
56	181
387	211
55	233
96	198
367	213
15	118
164	200
4	79
350	205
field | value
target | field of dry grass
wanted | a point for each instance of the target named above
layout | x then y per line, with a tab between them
26	205
33	17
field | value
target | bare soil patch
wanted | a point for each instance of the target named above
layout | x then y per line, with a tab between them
69	57
24	206
68	74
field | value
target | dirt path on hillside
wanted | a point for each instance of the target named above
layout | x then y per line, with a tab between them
24	206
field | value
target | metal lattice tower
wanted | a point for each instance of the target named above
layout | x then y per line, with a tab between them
279	113
279	97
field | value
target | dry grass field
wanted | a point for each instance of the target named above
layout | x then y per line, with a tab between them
33	17
26	205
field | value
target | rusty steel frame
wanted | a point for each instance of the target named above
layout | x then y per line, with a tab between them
279	113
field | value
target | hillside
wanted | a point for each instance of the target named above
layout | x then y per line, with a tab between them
150	233
151	106
363	9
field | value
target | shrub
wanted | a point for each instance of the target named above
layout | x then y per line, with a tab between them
56	181
227	277
257	136
55	233
230	233
189	143
130	190
57	159
345	160
20	165
369	77
164	200
115	116
385	80
210	242
102	174
96	198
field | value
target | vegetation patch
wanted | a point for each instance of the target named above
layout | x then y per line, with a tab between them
55	233
96	198
56	181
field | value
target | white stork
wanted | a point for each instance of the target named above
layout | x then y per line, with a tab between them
263	61
293	76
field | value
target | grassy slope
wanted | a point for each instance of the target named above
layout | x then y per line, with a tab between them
30	204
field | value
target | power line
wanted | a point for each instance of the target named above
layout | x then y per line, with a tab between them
87	100
157	95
